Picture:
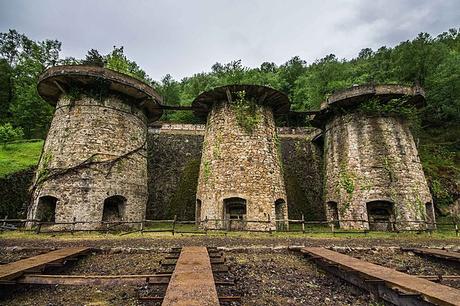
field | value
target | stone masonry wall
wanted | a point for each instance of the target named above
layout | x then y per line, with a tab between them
236	163
96	133
174	162
302	171
373	159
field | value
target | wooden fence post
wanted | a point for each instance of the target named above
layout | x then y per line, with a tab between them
37	231
142	227
174	225
4	220
303	224
270	225
456	229
72	229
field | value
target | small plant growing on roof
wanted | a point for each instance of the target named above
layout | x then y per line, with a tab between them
246	112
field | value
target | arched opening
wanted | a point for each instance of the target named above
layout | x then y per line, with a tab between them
280	211
235	213
380	215
430	218
46	209
333	213
114	208
198	212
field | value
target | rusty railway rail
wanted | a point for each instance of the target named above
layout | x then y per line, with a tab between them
390	285
92	280
9	273
438	253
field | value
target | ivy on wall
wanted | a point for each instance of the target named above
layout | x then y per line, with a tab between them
400	108
246	111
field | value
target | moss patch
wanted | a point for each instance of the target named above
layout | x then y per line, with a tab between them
183	200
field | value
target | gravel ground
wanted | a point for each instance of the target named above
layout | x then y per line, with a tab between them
121	263
283	278
255	240
10	256
407	262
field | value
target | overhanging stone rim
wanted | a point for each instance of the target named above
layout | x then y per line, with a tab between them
142	94
263	95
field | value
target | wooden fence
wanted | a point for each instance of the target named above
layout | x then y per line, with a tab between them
218	225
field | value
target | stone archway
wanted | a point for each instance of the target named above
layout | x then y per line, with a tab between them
46	208
333	213
114	208
235	211
280	212
380	215
198	212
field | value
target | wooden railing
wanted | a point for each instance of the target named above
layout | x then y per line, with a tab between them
222	225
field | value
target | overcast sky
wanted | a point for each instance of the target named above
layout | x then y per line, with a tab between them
189	36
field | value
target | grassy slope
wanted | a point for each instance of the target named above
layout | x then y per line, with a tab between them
18	156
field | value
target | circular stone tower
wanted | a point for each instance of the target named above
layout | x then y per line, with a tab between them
241	176
372	168
93	166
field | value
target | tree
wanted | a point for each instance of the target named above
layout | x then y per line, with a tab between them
93	58
6	90
169	89
289	72
26	59
117	60
8	133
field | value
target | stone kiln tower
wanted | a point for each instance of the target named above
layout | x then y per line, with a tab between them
372	168
94	167
241	178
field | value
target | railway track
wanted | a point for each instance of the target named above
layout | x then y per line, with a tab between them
187	273
199	276
191	272
437	253
11	272
390	285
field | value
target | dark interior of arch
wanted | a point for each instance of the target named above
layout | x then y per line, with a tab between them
380	215
198	210
235	208
333	213
429	213
114	207
280	206
46	210
234	213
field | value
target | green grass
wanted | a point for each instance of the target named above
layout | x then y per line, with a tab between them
19	156
423	236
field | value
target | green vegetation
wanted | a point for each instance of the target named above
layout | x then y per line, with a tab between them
394	107
8	133
206	170
18	156
246	112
